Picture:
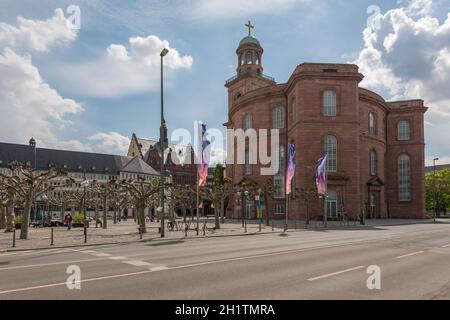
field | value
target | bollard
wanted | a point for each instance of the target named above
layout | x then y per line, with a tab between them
51	236
273	226
245	226
260	226
85	235
185	230
204	230
14	238
140	233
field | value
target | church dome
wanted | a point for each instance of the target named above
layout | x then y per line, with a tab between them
249	40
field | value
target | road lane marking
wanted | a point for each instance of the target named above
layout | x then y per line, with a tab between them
410	254
335	273
160	268
101	254
446	246
117	258
81	281
49	264
138	263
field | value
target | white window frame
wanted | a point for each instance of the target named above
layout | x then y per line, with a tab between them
329	103
404	178
331	149
404	130
278	115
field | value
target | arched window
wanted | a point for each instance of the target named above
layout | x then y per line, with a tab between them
372	124
373	163
403	130
258	61
278	118
241	59
248	122
329	103
281	159
249	57
404	178
293	110
331	151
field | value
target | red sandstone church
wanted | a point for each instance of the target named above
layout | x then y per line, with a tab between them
375	148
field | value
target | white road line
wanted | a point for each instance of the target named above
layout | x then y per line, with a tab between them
81	281
335	273
101	254
117	258
446	246
48	264
85	251
138	263
160	268
410	254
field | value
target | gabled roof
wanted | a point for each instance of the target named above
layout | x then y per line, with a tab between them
71	161
137	165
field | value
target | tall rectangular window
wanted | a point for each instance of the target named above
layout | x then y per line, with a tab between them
404	130
248	165
331	151
278	118
404	178
329	103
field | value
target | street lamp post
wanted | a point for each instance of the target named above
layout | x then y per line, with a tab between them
434	187
84	184
162	142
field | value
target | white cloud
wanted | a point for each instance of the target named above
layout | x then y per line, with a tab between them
407	56
28	105
111	142
35	34
124	70
221	9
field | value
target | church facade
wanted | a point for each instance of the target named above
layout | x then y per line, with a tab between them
375	147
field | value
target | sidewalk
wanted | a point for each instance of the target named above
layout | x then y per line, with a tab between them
122	232
127	231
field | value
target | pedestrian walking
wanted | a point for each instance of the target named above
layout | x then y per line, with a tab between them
68	220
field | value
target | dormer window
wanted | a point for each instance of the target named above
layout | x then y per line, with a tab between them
80	167
93	167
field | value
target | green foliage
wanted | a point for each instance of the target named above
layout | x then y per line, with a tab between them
437	189
218	176
79	218
18	219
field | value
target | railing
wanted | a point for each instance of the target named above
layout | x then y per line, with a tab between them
261	75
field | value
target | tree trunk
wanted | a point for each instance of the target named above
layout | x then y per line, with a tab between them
222	210
26	220
216	215
62	212
2	217
96	214
9	219
115	216
141	218
105	213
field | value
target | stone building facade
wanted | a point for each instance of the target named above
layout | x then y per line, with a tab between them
375	148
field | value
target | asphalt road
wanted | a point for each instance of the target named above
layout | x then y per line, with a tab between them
414	261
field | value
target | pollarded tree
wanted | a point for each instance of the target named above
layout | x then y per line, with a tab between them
141	191
104	191
29	184
217	193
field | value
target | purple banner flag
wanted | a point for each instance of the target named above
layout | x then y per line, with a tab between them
291	169
321	176
204	154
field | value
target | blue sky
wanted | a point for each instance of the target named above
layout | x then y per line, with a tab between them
110	98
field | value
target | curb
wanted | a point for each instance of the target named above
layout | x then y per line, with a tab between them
143	240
